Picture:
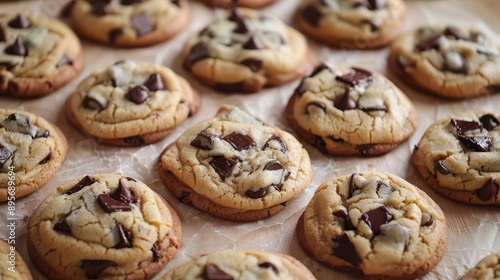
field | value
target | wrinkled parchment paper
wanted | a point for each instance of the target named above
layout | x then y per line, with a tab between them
473	230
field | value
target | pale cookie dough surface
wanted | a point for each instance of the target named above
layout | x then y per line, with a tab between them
245	50
38	55
459	157
32	148
128	23
19	270
229	264
131	103
238	162
359	24
449	61
104	227
346	110
487	269
374	223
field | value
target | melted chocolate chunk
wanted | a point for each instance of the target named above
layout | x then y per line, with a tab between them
253	43
494	88
154	82
239	141
114	34
138	94
110	205
46	159
277	139
62	226
5	155
254	64
320	144
377	4
356	77
383	190
213	272
123	194
347	222
198	52
259	193
235	15
464	126
93	268
85	181
274	165
230	87
376	218
457	32
124	235
476	143
203	141
91	103
375	109
489	121
20	22
17	48
242	26
65	60
345	249
365	149
429	222
142	24
101	9
430	43
312	15
269	265
130	2
320	105
345	102
439	167
9	65
3	36
184	198
176	2
157	254
223	166
319	68
68	8
488	190
352	185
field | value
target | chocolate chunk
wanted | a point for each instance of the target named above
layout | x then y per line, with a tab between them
347	222
476	143
176	2
113	34
92	103
352	184
495	88
239	141
124	235
375	109
356	77
277	139
489	121
346	250
274	165
242	26
455	63
429	222
488	190
377	4
207	31
253	43
85	181
198	52
68	8
138	94
223	166
429	43
110	205
142	24
123	194
184	198
259	193
269	265
46	159
93	268
312	15
213	272
65	60
457	32
130	2
203	141
320	105
154	82
235	15
9	65
345	102
19	123
365	149
439	167
17	48
157	253
320	144
230	87
254	64
464	126
373	27
5	155
20	22
319	68
101	9
376	217
3	36
62	226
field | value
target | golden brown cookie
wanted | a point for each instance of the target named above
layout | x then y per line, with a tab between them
486	269
12	265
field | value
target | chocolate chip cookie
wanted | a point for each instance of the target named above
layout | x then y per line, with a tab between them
31	148
131	103
105	227
236	167
449	61
347	110
487	268
128	23
458	156
253	4
38	55
373	223
229	264
352	24
12	265
245	50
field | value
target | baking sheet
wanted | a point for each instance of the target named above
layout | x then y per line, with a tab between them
473	230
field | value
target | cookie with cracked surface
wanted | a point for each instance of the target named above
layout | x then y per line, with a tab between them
131	103
458	157
15	268
448	61
373	223
487	268
38	55
347	110
103	227
128	23
249	264
252	4
32	148
352	24
236	167
244	50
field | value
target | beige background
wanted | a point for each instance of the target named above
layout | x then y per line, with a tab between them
473	231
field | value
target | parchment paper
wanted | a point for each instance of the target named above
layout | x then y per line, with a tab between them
473	230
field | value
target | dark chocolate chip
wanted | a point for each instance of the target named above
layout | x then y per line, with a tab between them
142	24
345	102
230	87
124	235
346	250
68	8
20	21
62	226
488	190
319	68
17	48
123	194
114	34
365	149
439	167
207	31
110	205
46	159
101	9
377	4
495	88
383	190
347	222
184	198
376	218
462	68
352	184
3	36
9	65
375	109
65	60
235	15
5	155
355	77
198	52
464	126
242	26
93	268
259	193
92	103
85	181
312	15
429	43
213	272
271	266
176	2
320	144
277	139
223	166
476	143
239	141
136	140
203	141
429	222
253	43
274	165
130	2
254	64
138	94
320	105
154	82
489	121
457	32
157	253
